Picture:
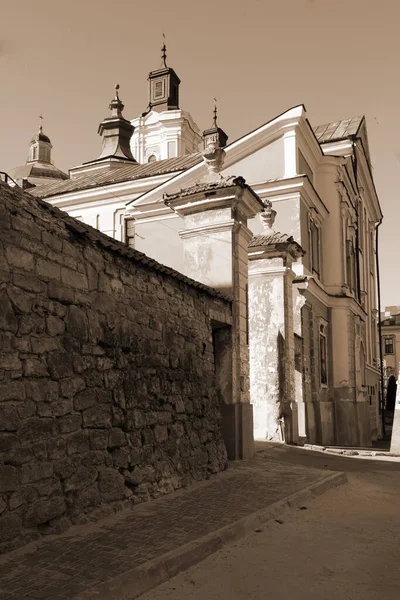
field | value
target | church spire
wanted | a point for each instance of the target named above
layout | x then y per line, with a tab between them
163	85
215	135
116	132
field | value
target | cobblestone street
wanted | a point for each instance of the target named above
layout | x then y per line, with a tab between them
99	561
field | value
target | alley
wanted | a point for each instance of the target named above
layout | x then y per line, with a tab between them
343	544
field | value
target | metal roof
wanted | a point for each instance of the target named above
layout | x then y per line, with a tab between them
127	173
340	130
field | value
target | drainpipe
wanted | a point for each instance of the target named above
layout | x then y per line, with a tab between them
378	285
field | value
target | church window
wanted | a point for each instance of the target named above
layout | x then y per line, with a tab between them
314	245
158	89
323	354
388	345
35	153
152	158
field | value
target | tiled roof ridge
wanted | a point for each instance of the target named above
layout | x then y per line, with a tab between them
104	240
129	172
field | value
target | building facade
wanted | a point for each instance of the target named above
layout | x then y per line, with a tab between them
390	332
309	296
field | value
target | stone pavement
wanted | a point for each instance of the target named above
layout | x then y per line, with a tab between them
126	554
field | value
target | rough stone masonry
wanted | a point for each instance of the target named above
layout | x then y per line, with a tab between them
107	384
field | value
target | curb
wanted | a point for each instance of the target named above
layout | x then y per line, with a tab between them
350	451
143	578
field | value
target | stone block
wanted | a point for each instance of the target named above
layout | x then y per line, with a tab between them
47	269
160	433
86	498
9	478
44	510
8	320
111	485
9	418
10	362
71	386
19	258
42	345
35	367
60	292
34	471
69	423
28	282
81	478
74	279
78	443
97	416
98	439
52	241
21	301
36	429
50	487
10	526
8	441
26	495
56	448
77	323
85	399
116	438
42	390
60	365
62	407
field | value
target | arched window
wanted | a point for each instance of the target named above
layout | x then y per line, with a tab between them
152	158
363	365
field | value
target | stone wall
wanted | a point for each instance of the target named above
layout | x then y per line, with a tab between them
107	385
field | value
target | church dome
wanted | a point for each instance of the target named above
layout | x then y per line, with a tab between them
40	137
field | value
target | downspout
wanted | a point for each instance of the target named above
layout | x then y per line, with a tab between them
378	285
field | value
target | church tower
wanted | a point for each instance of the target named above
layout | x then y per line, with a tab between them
116	132
163	86
164	130
38	169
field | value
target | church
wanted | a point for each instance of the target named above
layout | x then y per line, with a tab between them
282	220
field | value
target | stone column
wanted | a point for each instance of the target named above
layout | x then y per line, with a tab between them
215	240
272	385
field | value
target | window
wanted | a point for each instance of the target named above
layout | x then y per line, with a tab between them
314	244
158	89
388	345
323	354
152	158
35	153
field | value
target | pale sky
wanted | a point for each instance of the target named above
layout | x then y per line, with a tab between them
258	57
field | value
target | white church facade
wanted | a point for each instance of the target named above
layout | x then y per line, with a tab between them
293	245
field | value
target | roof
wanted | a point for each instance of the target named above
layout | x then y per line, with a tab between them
276	239
36	207
125	173
224	182
269	239
340	130
39	170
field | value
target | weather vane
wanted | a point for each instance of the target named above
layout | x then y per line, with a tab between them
41	121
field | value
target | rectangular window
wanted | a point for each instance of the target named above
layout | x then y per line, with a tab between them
323	354
158	89
314	248
388	345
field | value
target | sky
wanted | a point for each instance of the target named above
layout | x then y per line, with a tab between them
340	58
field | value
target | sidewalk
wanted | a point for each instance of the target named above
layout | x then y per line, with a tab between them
121	557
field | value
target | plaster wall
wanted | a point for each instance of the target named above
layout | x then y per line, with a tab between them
267	336
266	163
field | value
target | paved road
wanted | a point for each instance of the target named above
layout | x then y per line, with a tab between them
344	545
